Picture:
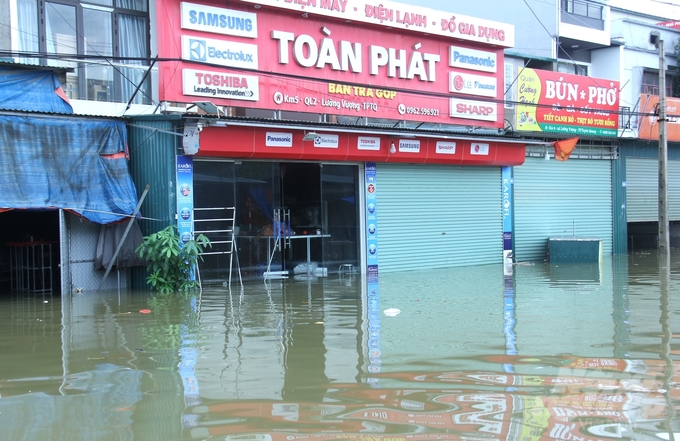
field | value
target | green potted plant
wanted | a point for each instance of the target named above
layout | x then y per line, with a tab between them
172	264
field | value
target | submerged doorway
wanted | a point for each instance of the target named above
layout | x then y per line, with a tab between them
317	204
29	251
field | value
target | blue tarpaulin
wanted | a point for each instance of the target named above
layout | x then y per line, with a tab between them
68	163
32	90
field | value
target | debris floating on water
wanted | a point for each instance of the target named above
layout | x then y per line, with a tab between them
391	312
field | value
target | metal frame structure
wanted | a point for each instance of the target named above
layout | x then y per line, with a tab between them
230	219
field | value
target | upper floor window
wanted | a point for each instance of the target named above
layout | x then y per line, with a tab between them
106	42
650	83
583	8
572	68
583	13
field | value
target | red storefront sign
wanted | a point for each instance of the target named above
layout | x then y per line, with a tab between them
405	17
280	143
648	125
273	58
673	24
570	104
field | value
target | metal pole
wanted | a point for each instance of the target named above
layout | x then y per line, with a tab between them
664	237
122	240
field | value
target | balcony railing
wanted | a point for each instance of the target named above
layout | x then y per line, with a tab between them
626	118
583	13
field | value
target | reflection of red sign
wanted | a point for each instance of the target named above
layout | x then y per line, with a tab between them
648	123
585	398
316	65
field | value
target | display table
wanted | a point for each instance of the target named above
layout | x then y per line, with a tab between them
271	240
31	266
309	238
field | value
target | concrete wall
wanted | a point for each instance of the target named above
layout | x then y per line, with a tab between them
5	25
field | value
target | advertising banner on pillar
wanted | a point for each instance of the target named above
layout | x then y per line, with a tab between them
185	197
648	123
398	67
507	194
570	104
371	220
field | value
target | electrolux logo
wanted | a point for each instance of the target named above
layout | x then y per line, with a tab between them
197	51
220	52
327	141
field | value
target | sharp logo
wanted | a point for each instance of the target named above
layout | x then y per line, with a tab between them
197	51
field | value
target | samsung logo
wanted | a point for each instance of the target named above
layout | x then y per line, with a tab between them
409	146
218	20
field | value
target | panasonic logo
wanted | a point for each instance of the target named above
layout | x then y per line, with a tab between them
475	61
472	59
276	139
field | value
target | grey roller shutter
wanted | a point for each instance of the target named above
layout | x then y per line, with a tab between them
432	216
554	198
642	190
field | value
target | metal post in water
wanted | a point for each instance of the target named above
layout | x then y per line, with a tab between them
664	237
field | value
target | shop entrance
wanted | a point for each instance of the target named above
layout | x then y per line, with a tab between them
29	252
312	206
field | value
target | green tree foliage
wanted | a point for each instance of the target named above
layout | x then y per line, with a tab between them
170	265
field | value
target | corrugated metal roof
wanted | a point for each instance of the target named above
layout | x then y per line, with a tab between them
20	65
421	130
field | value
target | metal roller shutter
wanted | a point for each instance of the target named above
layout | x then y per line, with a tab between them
554	198
433	216
642	190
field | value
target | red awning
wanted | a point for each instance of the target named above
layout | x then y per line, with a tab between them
282	143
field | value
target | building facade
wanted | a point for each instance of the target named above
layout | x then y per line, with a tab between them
338	136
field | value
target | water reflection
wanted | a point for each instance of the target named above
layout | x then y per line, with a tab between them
549	352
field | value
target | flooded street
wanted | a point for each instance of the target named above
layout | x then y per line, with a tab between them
569	352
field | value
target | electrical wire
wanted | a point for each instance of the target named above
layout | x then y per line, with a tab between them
296	78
